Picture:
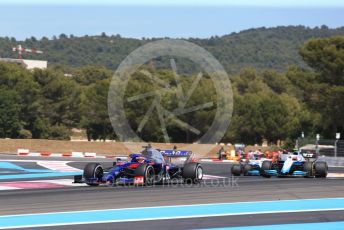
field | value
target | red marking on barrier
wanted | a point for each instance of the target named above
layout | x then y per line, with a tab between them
23	154
215	159
66	154
45	154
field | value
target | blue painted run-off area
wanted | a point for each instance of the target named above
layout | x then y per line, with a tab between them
25	173
171	212
338	225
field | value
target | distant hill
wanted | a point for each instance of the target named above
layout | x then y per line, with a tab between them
260	48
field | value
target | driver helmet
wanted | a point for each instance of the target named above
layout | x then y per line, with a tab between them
140	159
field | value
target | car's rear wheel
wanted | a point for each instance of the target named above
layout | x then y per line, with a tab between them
192	172
321	169
147	172
266	165
92	173
236	170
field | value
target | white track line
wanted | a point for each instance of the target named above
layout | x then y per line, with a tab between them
58	166
335	175
207	177
64	182
2	188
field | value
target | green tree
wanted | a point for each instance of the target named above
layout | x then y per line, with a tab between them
16	78
326	57
59	97
41	128
95	118
91	74
266	107
10	124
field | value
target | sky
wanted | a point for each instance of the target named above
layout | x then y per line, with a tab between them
165	18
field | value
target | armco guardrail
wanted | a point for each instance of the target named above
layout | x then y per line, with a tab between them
327	147
333	161
340	148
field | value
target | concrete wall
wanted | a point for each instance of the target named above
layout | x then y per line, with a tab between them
101	148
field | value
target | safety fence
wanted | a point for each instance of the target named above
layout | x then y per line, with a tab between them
327	147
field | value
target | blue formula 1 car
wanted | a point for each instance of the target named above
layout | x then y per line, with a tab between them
295	164
147	168
247	168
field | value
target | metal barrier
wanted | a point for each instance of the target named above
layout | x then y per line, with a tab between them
340	148
326	147
333	161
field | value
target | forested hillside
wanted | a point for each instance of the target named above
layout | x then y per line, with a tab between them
272	101
260	48
268	105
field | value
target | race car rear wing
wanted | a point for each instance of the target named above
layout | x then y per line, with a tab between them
309	154
181	156
176	153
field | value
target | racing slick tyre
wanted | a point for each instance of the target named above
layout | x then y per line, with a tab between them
147	172
92	171
321	169
266	165
247	168
192	173
308	167
236	170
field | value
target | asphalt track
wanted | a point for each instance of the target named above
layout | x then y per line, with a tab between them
222	190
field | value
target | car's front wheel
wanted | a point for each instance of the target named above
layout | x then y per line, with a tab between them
147	172
308	168
247	169
93	172
266	165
